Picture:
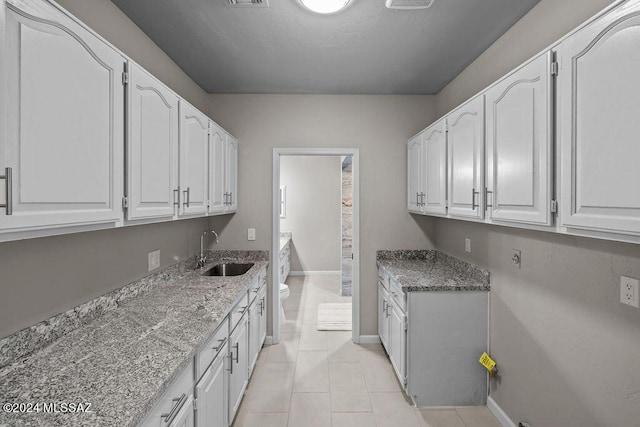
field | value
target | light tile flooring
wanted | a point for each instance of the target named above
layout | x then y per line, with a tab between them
317	378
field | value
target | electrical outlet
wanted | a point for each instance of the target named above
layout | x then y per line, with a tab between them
467	244
251	234
629	291
516	258
154	260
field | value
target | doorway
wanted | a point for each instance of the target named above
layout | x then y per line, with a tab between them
348	245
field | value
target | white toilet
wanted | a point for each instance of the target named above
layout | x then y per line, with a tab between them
284	294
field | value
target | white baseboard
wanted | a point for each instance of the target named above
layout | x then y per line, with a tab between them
369	339
315	273
497	411
268	340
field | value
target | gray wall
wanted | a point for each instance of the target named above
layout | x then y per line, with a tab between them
378	125
313	213
568	351
43	277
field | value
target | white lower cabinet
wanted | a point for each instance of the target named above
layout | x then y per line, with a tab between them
397	347
257	320
383	315
238	365
211	394
175	407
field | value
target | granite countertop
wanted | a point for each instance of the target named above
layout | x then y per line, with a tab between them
285	238
431	270
123	360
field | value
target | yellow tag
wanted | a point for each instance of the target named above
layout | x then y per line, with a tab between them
487	362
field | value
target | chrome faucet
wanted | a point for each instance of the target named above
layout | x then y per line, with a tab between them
203	258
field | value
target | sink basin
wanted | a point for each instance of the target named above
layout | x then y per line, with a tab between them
231	269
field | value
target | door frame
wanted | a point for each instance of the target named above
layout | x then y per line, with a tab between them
275	244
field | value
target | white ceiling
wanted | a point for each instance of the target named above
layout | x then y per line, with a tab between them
365	49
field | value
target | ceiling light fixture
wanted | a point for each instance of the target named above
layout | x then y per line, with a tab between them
325	6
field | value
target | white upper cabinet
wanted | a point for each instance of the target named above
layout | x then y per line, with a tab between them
152	147
599	126
466	159
414	174
434	151
194	161
519	145
65	135
231	164
217	169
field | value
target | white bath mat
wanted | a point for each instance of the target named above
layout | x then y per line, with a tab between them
334	317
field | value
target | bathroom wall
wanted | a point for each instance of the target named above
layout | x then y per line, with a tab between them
43	277
568	351
378	125
313	212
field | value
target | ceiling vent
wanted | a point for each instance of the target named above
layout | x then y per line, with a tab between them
409	4
247	3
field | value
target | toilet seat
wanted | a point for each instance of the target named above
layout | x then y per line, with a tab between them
284	294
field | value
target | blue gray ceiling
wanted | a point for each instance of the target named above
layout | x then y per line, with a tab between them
365	49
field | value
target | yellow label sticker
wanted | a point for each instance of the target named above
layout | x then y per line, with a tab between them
487	362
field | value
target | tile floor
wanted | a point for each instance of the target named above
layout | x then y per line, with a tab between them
317	378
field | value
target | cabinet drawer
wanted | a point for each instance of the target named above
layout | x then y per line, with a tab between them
397	295
212	348
238	311
173	402
254	289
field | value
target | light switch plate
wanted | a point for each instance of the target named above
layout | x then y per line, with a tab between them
251	234
154	260
467	244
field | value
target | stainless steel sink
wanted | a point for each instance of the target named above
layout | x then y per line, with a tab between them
230	269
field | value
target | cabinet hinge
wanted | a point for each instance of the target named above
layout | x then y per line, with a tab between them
125	202
405	325
554	68
125	78
554	206
404	382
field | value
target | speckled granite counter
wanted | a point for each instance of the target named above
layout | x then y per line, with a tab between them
285	238
129	351
431	270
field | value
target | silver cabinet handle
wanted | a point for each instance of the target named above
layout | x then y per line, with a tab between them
221	344
187	197
422	198
225	199
230	198
230	356
8	187
473	199
237	346
176	197
384	306
262	306
176	408
486	198
242	309
418	199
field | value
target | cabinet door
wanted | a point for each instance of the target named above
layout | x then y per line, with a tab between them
466	159
217	169
184	418
65	118
238	365
231	164
435	169
598	91
414	174
211	394
194	160
152	147
263	316
383	317
397	342
519	145
254	333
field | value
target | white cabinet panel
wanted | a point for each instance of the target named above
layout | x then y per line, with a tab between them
255	311
231	164
397	343
466	159
383	316
65	135
435	169
211	394
217	169
238	365
519	145
152	147
194	160
263	312
598	92
414	174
